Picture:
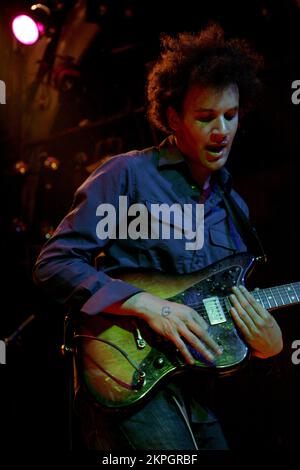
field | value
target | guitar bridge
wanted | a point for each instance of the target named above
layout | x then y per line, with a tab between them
214	310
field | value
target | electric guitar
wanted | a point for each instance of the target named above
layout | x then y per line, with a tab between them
122	359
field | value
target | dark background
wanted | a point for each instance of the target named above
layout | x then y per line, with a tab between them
260	405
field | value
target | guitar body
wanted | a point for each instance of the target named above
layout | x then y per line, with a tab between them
130	359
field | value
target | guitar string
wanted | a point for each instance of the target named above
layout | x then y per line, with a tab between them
200	308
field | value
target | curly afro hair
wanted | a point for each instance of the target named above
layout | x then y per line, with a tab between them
204	58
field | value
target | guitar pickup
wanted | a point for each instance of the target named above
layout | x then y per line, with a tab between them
214	310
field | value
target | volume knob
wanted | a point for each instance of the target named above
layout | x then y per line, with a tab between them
159	362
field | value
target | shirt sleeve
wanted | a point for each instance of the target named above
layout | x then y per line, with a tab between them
65	266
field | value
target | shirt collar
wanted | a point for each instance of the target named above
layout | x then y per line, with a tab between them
169	154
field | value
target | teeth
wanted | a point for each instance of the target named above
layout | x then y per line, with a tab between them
215	150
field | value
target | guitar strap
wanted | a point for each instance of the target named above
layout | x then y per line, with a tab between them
243	225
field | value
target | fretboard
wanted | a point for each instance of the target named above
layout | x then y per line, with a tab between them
274	297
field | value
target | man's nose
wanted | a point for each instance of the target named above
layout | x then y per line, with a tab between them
218	137
220	131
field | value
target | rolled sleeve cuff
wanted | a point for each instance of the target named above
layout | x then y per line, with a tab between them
109	294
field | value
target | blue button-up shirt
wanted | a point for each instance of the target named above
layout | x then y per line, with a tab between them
75	266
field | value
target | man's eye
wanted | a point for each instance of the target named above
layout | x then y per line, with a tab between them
230	116
204	119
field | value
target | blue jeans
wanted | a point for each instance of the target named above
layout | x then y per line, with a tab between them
163	423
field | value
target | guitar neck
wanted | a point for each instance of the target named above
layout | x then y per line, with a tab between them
275	297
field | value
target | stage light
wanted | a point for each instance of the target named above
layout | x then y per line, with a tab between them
52	163
66	76
20	168
29	28
18	226
25	30
46	230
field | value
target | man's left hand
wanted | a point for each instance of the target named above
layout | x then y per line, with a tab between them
258	326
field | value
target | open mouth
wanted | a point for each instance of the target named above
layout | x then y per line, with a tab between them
215	149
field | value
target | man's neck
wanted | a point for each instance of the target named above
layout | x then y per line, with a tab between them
201	176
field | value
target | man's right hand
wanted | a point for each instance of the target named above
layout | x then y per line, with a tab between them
176	322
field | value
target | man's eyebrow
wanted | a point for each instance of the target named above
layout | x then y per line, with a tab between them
208	110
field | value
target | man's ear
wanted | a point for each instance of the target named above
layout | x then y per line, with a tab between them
173	118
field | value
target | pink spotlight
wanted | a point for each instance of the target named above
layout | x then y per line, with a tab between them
25	29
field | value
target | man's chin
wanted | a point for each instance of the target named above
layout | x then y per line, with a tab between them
216	164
